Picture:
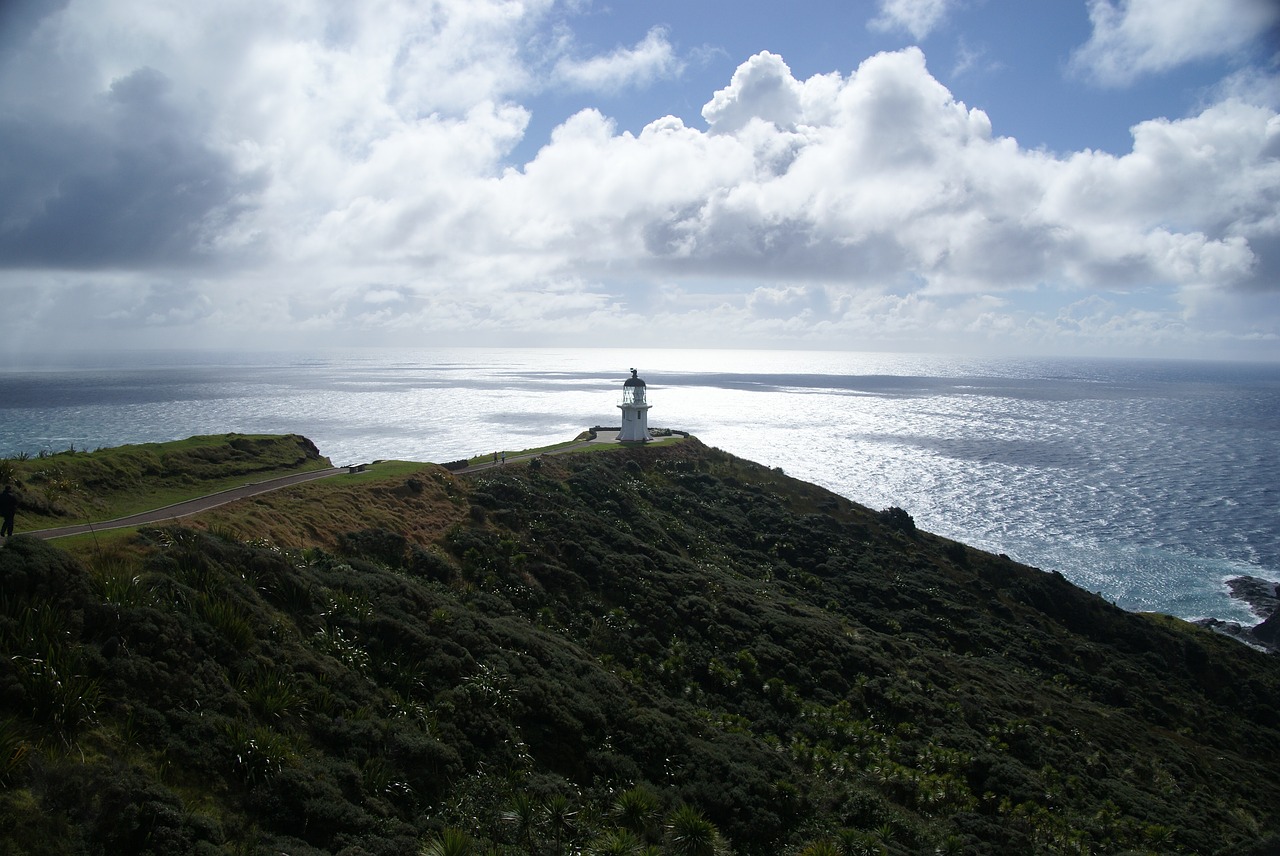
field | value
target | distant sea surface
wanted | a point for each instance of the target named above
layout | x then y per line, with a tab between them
1151	482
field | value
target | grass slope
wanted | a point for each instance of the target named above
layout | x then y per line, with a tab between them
660	650
72	487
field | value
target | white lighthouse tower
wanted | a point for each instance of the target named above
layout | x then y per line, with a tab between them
635	411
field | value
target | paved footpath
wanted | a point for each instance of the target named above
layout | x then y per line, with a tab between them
191	506
204	503
603	437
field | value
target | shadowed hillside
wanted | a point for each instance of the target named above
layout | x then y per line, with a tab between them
657	650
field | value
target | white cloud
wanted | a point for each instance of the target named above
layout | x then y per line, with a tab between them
651	59
971	60
345	175
1192	202
1149	36
1250	85
883	180
761	88
803	303
917	17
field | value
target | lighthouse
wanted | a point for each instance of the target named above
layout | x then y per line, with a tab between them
635	411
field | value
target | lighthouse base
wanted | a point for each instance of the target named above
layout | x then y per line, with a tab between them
635	424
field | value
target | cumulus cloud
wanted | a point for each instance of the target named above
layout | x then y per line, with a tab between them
1148	36
793	302
761	88
348	176
1251	85
127	182
157	139
1194	201
651	59
884	180
917	17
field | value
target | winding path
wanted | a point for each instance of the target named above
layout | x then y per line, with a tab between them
204	503
602	437
190	506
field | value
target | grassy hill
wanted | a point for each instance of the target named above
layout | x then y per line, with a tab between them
74	486
656	650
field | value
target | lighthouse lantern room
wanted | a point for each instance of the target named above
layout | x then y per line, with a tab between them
635	411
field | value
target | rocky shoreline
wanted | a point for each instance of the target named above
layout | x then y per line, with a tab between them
1263	597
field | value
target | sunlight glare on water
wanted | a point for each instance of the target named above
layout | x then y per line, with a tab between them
1150	482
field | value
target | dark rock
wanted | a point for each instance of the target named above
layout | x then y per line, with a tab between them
1261	595
1234	629
1268	632
1264	599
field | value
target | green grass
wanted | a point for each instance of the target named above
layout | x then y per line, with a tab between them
382	470
657	441
479	460
108	539
581	446
91	542
115	507
74	487
78	487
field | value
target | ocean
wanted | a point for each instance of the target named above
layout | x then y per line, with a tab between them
1150	482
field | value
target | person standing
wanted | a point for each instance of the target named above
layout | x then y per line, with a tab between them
8	508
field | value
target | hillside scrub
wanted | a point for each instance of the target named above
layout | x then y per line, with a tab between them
657	650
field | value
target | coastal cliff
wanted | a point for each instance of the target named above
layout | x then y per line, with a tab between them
665	647
1263	598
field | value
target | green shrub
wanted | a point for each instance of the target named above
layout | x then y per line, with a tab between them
897	519
450	842
688	833
227	618
14	750
62	699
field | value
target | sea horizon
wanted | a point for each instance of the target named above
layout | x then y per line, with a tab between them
1148	480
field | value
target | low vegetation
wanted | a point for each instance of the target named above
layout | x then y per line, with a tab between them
77	486
662	650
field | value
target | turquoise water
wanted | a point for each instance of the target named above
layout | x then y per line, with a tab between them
1151	482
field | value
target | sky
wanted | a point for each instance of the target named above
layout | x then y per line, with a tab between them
1071	177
